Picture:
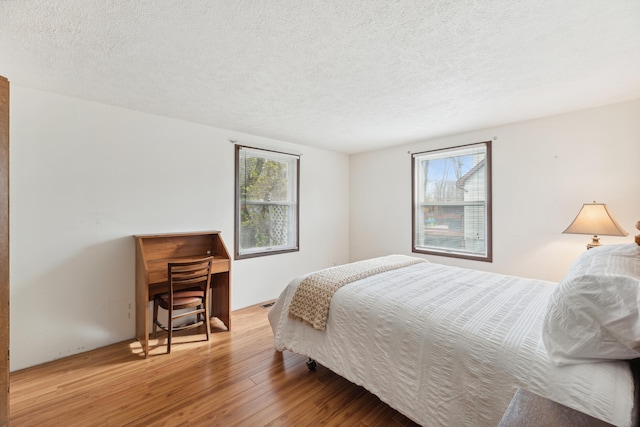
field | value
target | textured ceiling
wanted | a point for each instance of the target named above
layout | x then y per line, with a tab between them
350	75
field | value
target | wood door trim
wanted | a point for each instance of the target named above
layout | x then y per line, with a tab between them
4	252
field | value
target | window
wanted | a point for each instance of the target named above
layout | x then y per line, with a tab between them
266	214
452	202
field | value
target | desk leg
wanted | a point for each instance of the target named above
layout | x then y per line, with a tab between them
142	317
221	300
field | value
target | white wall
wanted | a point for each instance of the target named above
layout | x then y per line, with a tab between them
85	177
543	171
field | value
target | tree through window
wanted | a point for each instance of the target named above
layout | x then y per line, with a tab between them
266	202
452	202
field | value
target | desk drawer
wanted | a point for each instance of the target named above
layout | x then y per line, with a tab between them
220	266
162	276
158	277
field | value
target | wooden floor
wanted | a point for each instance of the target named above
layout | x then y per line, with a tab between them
236	378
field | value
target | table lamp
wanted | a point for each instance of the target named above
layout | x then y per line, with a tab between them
595	219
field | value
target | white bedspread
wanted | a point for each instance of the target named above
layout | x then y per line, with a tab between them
448	346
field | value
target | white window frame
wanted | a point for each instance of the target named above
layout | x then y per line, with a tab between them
475	241
292	231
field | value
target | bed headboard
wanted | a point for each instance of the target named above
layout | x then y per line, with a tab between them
638	235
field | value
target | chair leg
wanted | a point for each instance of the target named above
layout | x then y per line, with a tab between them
207	317
155	318
170	331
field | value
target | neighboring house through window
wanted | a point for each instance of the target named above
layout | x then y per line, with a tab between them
452	202
266	213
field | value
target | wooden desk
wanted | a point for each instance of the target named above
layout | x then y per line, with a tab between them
155	251
530	410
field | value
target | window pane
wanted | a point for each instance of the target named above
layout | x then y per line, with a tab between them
266	202
452	202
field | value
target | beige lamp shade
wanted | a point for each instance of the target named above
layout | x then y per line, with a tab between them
595	218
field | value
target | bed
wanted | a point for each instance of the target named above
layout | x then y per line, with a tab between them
448	346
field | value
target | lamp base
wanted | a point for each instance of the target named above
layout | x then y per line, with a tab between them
594	243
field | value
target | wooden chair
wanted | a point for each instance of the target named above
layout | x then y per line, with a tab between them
189	285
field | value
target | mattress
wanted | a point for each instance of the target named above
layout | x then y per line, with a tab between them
448	346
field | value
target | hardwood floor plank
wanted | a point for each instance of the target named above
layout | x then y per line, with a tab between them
236	378
321	405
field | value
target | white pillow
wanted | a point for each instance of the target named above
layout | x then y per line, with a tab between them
592	315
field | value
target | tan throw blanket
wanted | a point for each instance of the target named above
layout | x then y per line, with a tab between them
310	302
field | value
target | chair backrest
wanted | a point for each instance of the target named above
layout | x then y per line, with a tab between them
191	273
